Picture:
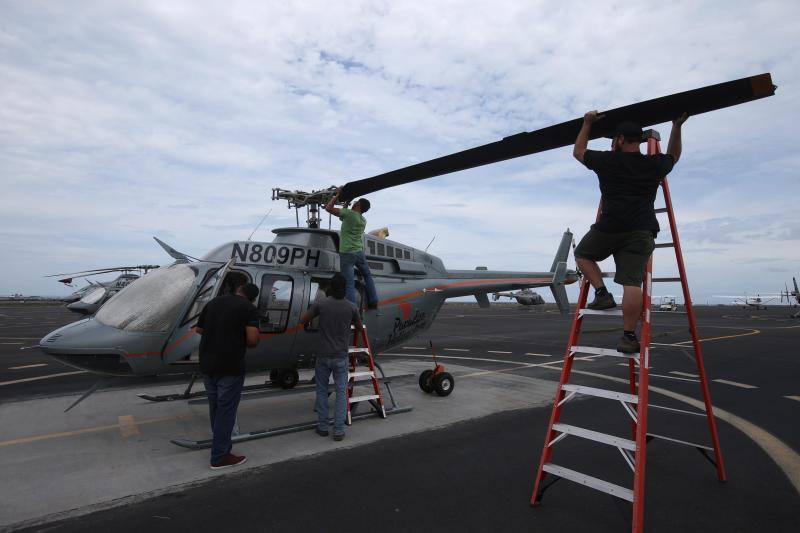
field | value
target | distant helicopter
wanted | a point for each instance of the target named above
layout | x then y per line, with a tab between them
523	297
146	328
88	299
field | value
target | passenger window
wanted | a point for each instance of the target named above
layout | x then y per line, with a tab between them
398	253
390	251
274	302
406	255
371	247
381	250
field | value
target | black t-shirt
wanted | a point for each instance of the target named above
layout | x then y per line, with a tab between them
224	340
628	182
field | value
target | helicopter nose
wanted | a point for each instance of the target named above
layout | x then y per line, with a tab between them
79	307
90	345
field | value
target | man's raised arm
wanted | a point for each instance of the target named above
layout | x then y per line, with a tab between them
330	205
583	136
675	145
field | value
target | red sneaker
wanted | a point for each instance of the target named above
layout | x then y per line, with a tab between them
229	460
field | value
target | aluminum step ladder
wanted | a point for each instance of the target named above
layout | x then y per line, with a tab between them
635	402
362	365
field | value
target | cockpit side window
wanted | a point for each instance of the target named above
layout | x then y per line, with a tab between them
274	302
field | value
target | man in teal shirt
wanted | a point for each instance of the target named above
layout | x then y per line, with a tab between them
351	247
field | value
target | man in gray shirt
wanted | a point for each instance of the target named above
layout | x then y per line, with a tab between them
336	314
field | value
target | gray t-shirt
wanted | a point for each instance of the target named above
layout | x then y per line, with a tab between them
335	317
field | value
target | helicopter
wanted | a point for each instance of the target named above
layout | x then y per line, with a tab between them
88	299
523	297
146	329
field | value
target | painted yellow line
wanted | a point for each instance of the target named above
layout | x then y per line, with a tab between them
39	378
751	332
735	384
97	429
27	366
796	398
127	426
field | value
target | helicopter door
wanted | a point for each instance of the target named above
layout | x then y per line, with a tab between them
280	301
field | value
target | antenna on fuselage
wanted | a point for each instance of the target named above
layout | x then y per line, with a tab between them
259	225
429	244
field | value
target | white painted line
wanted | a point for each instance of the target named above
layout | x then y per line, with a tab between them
494	351
412	348
540	354
10	343
735	384
26	380
456	350
685	374
672	377
26	366
795	398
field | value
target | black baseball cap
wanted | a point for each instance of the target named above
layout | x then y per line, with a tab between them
630	130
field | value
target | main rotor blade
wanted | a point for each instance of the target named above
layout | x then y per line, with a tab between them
647	113
98	271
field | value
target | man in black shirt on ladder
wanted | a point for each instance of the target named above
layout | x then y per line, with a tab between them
229	325
627	225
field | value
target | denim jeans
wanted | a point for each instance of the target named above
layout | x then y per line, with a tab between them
349	262
224	393
322	371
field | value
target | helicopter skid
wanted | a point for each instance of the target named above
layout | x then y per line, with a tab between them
202	394
283	430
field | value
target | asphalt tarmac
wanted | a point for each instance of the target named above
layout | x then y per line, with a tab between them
478	475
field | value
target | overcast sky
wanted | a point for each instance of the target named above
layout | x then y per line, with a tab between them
124	120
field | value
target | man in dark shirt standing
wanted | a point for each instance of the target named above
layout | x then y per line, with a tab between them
336	314
228	325
627	226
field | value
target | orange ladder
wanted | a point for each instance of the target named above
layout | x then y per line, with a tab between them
361	353
635	401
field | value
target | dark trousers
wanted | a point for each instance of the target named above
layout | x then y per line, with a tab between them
224	393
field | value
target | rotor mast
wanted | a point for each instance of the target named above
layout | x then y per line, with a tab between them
310	200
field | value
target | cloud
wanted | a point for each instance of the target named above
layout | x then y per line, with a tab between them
124	120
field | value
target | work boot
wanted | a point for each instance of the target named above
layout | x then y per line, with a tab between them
229	461
605	301
322	432
628	345
338	437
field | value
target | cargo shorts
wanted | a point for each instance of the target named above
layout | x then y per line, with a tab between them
630	249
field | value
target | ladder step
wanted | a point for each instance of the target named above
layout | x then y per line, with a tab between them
589	481
606	312
665	245
367	397
596	436
602	351
359	374
656	280
661	210
358	349
601	393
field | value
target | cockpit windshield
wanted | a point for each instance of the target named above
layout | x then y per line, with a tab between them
94	296
152	303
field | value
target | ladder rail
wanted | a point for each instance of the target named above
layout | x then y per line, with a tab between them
698	352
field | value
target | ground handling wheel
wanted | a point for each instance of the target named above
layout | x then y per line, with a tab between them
426	381
288	378
444	384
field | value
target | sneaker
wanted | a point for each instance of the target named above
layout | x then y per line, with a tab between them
338	437
229	460
628	345
602	302
322	432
